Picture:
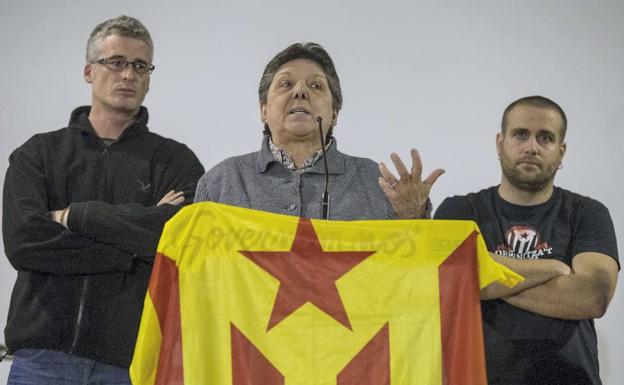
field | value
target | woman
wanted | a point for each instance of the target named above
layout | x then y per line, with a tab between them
299	88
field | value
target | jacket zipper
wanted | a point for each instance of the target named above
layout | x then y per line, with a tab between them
85	282
83	300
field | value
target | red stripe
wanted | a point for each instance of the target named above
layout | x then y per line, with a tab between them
371	366
165	295
462	332
249	365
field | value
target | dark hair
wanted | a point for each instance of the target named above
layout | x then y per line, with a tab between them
540	102
309	51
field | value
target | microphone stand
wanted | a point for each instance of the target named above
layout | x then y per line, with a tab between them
325	196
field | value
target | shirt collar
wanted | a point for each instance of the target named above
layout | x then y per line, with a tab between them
335	159
281	156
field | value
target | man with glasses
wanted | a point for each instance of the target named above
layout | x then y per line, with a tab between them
83	210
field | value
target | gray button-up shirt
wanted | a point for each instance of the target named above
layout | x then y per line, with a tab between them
258	181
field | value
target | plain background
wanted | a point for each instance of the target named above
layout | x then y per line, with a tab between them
424	74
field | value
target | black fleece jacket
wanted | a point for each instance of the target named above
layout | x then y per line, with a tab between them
81	290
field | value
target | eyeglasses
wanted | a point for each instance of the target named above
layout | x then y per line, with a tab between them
119	64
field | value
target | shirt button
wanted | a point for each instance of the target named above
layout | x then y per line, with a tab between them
291	207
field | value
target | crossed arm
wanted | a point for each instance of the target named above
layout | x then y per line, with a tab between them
173	197
97	237
584	293
535	272
553	289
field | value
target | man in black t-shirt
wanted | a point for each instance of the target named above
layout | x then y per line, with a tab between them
541	331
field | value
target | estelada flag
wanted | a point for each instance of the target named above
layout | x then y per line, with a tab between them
245	297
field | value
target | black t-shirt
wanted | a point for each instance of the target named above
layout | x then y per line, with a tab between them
523	347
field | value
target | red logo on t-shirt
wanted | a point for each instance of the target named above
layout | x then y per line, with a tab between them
523	242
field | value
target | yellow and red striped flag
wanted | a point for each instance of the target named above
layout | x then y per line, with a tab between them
244	297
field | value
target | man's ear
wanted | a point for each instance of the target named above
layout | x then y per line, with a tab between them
88	73
334	119
499	143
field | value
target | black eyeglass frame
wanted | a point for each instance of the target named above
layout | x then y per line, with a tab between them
140	67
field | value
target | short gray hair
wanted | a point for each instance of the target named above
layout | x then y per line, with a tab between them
125	26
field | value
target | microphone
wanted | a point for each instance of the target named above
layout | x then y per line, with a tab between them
325	196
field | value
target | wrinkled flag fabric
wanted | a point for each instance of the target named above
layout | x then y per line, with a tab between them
245	297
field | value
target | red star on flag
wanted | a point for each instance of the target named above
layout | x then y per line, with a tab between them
307	274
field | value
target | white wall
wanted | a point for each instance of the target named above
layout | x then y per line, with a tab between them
433	75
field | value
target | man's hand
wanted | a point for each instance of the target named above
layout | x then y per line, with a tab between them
172	198
60	216
409	194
